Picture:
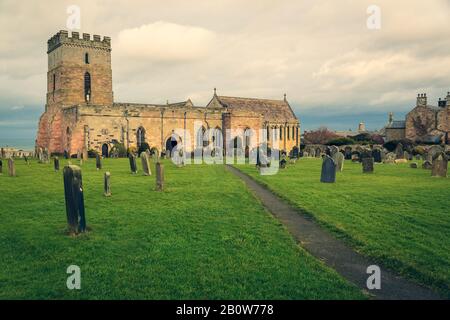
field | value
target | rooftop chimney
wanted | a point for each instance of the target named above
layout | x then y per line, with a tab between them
422	99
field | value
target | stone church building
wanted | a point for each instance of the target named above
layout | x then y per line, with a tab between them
80	112
425	123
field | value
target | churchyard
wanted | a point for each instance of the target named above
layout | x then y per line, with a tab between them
395	213
203	237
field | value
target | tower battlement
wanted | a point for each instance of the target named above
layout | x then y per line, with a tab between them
63	37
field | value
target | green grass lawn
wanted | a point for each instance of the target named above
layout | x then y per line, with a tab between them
397	215
205	237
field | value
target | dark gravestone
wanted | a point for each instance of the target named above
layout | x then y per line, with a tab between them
367	165
98	162
133	166
2	153
107	184
283	163
66	154
56	163
11	168
1	166
426	165
356	157
413	165
328	174
399	151
145	164
365	153
439	165
376	154
295	153
348	153
159	177
73	191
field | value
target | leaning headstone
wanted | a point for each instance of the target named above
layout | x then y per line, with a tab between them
333	150
11	167
145	164
439	165
98	162
133	166
367	165
328	174
56	164
414	165
426	165
159	176
338	158
1	166
156	156
73	191
399	151
107	184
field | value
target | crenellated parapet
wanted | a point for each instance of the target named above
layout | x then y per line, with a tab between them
74	39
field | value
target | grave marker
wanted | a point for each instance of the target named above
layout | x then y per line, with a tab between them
338	158
159	177
56	164
11	167
367	165
98	161
328	174
439	165
133	166
107	184
145	164
73	191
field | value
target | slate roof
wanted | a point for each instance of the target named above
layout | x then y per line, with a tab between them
397	124
272	110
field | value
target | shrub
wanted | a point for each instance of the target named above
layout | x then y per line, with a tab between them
408	145
340	141
92	153
118	150
143	147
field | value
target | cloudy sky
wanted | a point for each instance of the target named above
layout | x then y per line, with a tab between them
335	70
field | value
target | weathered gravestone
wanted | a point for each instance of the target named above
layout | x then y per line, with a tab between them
376	154
432	151
107	184
133	166
85	155
328	174
348	153
145	164
413	165
427	165
333	150
355	157
98	161
73	191
338	158
159	177
439	165
295	152
2	153
56	164
399	151
367	165
11	167
155	156
283	163
390	158
318	152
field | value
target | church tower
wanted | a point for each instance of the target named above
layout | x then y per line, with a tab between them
79	70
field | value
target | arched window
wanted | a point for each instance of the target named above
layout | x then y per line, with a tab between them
86	58
140	136
288	133
217	138
200	133
281	133
87	86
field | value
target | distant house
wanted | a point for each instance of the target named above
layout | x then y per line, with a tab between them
423	124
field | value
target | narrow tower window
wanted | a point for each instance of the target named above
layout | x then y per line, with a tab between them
54	82
86	58
87	86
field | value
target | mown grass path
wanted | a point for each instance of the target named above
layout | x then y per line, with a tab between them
333	252
398	216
